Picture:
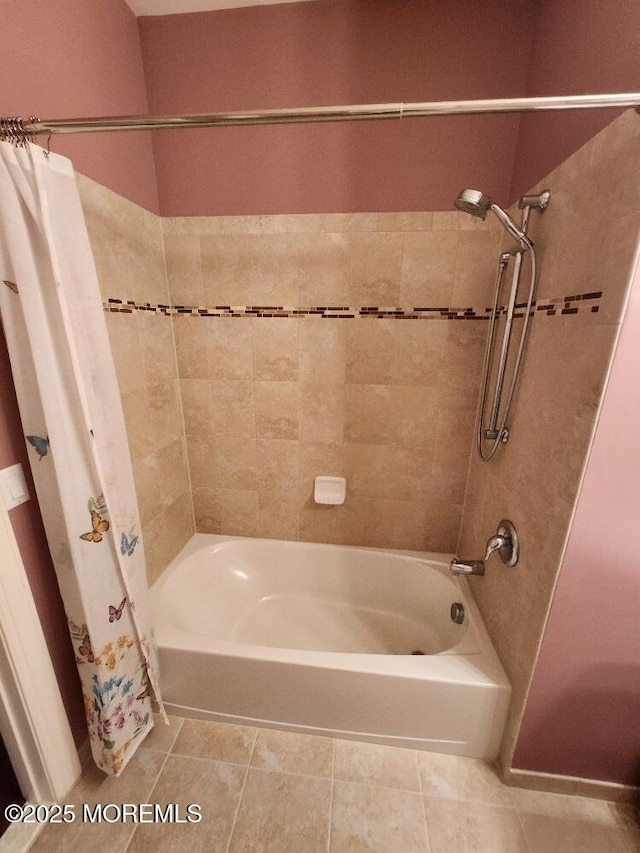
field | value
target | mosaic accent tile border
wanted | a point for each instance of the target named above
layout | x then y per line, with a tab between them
565	304
550	307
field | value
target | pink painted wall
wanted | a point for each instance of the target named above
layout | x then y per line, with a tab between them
76	58
589	47
352	51
583	713
29	532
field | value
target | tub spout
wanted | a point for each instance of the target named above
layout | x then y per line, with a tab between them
467	567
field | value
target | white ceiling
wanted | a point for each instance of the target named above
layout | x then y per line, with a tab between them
176	7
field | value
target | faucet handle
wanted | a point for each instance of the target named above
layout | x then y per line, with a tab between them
505	542
495	543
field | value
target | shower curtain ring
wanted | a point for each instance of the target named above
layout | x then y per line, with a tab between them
12	130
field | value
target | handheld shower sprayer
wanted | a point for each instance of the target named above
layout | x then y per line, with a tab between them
478	204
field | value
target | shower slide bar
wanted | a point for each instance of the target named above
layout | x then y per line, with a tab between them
12	128
477	204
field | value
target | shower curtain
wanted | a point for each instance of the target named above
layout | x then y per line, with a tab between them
74	428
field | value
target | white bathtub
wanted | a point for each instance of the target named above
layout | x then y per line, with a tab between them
320	639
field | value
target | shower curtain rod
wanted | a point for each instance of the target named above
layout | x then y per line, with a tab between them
354	112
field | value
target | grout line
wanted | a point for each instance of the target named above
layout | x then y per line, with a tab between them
150	794
396	355
422	793
299	504
157	779
268	769
369	785
426	822
255	407
417	765
183	437
177	735
128	844
333	771
200	264
524	834
215	760
235	815
253	748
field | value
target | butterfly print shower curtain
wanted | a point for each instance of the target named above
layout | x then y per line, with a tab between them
74	428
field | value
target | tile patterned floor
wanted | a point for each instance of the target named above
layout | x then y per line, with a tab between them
266	791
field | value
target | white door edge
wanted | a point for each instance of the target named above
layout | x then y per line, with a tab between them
33	719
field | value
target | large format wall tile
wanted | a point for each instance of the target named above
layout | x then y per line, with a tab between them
127	244
382	402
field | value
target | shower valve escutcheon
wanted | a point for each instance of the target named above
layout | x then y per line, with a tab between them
505	542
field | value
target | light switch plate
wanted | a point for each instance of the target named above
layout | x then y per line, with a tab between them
13	486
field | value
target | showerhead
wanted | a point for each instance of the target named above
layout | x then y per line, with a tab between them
477	204
473	202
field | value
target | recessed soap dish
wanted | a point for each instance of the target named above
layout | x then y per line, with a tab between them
330	490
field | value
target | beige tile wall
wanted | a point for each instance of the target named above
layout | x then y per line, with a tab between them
269	403
127	246
587	240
